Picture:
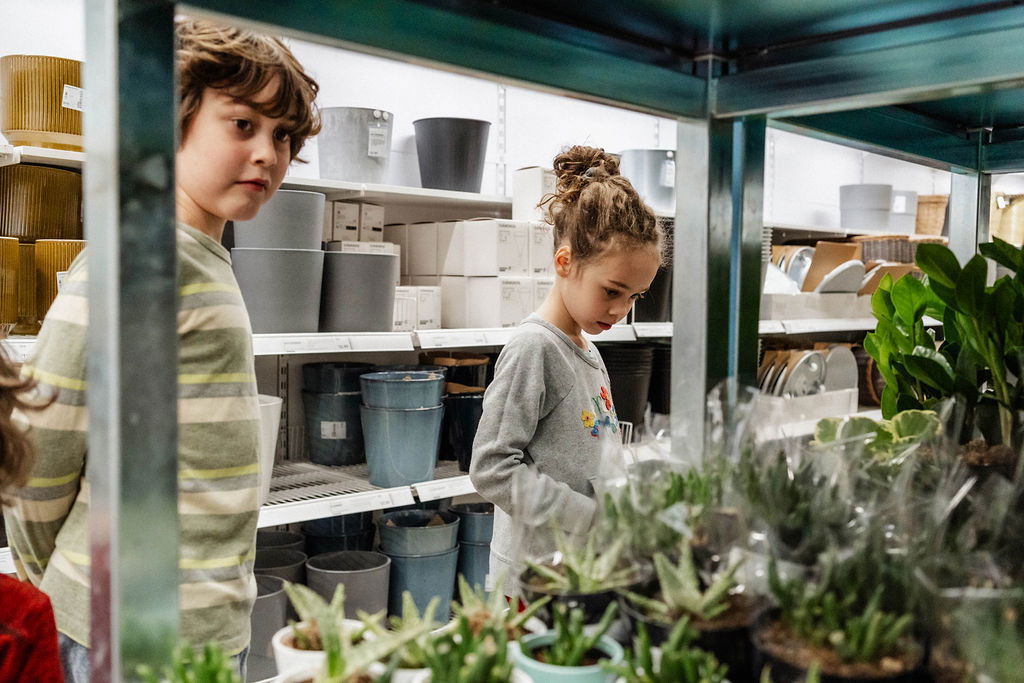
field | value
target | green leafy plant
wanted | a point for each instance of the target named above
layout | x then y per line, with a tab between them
591	568
210	665
572	639
470	653
860	608
681	593
412	655
677	662
990	634
491	610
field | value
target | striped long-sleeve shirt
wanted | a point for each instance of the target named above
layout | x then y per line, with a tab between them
218	465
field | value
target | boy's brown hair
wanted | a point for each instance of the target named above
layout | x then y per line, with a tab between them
243	62
594	206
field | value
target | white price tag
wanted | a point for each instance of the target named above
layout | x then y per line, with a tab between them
343	344
334	431
899	203
292	347
72	98
378	141
668	173
443	488
60	280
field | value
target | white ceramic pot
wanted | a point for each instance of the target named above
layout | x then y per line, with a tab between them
270	421
290	660
298	676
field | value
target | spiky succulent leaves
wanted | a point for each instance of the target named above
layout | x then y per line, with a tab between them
346	658
210	665
679	661
587	570
462	656
411	655
571	641
681	592
308	603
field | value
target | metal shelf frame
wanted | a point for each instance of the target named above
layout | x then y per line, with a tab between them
930	81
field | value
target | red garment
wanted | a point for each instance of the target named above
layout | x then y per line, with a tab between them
28	635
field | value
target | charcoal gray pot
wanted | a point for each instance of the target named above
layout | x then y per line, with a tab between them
366	576
334	428
289	565
269	614
358	292
476	522
451	152
354	144
281	288
284	540
292	219
333	378
406	532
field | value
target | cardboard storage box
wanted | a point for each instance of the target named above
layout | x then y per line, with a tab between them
346	222
529	186
541	287
421	242
405	309
428	308
371	223
483	247
542	249
470	302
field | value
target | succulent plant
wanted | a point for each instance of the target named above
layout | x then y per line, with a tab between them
573	639
412	654
591	569
210	665
676	662
491	610
470	653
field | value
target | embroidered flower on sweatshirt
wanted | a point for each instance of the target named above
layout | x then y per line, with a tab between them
607	396
588	418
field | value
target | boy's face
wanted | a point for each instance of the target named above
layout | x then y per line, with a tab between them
231	161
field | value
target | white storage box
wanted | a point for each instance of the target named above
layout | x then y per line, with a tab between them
346	222
541	287
469	302
421	239
529	186
405	309
371	223
398	233
813	305
428	308
542	249
483	247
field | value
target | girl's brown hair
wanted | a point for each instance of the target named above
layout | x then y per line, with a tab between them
15	448
594	206
243	62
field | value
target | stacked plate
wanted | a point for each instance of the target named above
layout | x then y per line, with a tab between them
40	101
799	372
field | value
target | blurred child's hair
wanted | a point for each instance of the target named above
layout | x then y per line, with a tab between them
15	448
595	207
243	62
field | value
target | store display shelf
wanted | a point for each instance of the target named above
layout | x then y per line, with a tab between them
289	344
6	561
813	325
618	333
396	195
41	155
303	491
447	339
652	330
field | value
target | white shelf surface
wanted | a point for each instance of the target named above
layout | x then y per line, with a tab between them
303	491
813	325
41	155
328	342
652	330
618	333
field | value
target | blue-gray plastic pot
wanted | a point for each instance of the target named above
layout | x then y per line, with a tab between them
476	522
451	152
319	544
407	532
474	563
333	378
334	428
401	445
424	576
403	390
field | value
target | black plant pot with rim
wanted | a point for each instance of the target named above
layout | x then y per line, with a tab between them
592	604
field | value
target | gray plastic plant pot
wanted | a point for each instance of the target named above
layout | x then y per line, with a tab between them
292	219
358	292
334	428
355	143
424	576
281	288
366	575
401	445
451	152
406	532
284	540
476	522
474	563
269	614
402	389
289	565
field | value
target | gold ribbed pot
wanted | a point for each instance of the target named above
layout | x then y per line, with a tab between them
28	321
53	257
37	109
8	283
39	202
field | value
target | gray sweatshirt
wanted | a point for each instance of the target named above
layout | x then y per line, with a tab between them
547	420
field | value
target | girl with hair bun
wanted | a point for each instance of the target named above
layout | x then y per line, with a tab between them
549	410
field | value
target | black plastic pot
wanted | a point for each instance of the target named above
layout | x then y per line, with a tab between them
469	369
592	604
333	378
660	391
283	540
451	152
320	544
334	428
462	414
629	393
656	306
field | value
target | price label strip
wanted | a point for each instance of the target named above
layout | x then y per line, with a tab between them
444	488
372	500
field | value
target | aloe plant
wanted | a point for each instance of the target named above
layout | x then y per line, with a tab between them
594	568
483	610
470	653
210	665
681	592
412	654
678	662
573	639
313	610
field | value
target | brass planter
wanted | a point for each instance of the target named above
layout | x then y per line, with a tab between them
8	283
39	202
53	258
28	321
32	93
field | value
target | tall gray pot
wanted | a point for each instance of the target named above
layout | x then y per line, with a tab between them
424	576
358	292
292	219
366	576
451	152
354	144
269	614
281	288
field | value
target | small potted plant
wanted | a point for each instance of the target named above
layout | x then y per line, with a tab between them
568	652
586	577
722	615
482	610
300	645
411	658
469	653
210	665
677	661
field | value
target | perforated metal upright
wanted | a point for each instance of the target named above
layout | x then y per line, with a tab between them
933	81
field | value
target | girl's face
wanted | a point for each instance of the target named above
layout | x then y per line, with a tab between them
599	293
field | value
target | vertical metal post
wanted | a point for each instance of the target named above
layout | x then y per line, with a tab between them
964	205
132	340
720	196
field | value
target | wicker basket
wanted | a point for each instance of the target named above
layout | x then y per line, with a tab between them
52	257
34	110
891	248
931	214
